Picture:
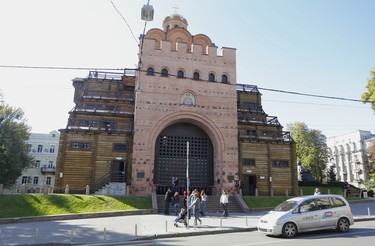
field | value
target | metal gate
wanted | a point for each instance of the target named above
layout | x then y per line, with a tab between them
171	158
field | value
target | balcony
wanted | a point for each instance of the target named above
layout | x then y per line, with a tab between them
48	170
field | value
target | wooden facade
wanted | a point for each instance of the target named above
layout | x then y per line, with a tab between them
95	147
267	154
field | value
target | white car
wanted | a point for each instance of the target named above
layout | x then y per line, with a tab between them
308	213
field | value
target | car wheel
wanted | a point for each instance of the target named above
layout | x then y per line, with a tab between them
343	225
289	230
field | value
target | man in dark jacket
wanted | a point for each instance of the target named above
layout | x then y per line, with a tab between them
168	199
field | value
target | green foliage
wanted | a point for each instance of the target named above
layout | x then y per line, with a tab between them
370	183
311	148
369	95
370	193
13	147
40	205
331	175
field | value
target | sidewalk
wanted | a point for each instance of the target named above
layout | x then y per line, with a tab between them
108	230
119	228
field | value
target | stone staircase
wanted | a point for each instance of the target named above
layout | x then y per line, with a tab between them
213	205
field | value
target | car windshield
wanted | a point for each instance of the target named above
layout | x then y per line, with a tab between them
285	206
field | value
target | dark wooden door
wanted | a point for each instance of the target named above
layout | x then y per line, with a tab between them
171	158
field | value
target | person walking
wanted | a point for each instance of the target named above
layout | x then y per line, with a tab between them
204	202
224	202
185	198
176	202
317	191
196	205
168	198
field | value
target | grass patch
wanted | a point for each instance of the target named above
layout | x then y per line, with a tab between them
22	205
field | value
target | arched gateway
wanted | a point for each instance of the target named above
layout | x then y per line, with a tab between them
171	153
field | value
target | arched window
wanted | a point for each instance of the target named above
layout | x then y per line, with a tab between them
211	77
150	71
180	74
164	72
196	76
224	79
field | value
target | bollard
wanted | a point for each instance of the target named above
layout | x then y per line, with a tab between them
221	223
368	211
329	191
71	235
105	234
271	192
286	192
301	192
256	192
246	220
87	190
135	230
166	226
36	234
0	236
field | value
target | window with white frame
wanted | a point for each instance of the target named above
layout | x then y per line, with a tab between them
52	149
40	148
48	181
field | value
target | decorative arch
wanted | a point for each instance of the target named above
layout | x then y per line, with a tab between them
179	35
203	40
156	34
208	126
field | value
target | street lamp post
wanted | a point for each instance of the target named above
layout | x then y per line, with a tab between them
187	182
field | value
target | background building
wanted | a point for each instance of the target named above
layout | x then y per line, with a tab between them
183	109
44	150
348	154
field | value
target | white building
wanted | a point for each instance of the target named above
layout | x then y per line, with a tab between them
44	149
348	155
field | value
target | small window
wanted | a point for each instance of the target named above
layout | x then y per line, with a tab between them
24	180
48	181
196	76
36	180
224	79
280	163
50	164
117	147
211	77
150	71
164	72
37	163
52	149
248	162
80	146
40	148
180	74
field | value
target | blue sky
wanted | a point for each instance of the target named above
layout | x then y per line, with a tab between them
322	47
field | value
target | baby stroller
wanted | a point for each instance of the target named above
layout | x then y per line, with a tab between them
181	218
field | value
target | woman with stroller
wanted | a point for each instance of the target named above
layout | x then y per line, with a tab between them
196	204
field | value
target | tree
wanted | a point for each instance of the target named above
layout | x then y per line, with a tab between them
13	147
369	95
311	149
370	160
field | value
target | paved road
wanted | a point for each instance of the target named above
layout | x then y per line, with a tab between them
133	227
